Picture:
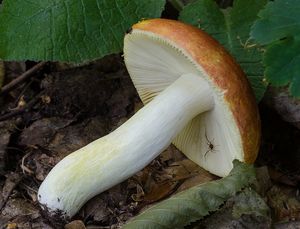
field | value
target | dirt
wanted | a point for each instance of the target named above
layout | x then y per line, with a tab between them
74	105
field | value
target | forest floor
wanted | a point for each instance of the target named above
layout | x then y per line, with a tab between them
61	108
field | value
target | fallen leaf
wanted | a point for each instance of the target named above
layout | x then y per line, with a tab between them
287	225
139	195
41	132
12	179
189	173
284	202
193	204
42	164
11	226
264	182
5	134
171	154
73	137
109	207
96	209
184	169
76	224
18	207
248	202
223	218
153	183
201	178
159	191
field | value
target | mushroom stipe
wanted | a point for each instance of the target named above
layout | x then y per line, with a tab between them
196	96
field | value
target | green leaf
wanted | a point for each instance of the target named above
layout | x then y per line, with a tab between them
282	60
231	27
69	30
279	19
279	28
195	203
249	202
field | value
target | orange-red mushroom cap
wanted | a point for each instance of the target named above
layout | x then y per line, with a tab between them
159	51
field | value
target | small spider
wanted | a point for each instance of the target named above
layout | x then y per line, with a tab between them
211	147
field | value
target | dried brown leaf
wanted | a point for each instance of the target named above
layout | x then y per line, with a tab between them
12	179
76	224
284	202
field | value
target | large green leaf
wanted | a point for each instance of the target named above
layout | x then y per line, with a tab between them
69	30
282	60
194	203
231	27
279	28
279	19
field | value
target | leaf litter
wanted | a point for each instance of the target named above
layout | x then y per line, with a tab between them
75	106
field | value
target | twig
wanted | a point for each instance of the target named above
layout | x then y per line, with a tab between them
13	84
21	110
11	114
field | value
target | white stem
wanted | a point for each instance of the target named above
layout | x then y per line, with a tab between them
117	156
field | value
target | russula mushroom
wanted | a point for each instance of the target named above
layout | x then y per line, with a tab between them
196	96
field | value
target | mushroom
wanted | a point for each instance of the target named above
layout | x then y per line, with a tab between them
196	96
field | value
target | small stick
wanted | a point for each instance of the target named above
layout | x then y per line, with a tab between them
21	110
13	84
11	114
